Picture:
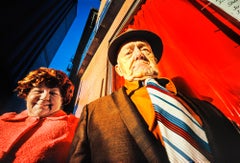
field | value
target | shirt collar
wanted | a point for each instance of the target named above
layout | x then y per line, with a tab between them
165	82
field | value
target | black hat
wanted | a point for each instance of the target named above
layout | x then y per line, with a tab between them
133	35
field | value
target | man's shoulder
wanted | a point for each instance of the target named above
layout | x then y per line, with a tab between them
108	100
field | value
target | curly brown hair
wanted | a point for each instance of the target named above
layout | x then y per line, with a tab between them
49	77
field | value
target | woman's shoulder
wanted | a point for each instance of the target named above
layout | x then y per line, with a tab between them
13	115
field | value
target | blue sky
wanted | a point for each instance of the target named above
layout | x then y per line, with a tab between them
70	43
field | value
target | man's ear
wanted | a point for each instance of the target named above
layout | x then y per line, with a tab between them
118	70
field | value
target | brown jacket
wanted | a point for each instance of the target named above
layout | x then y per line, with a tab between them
112	130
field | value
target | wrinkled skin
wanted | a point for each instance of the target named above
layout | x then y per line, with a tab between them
136	61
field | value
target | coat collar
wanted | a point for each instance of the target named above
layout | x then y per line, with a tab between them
165	82
152	149
13	116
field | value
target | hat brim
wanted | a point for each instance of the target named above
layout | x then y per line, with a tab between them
133	35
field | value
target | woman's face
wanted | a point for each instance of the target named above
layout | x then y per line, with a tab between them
43	101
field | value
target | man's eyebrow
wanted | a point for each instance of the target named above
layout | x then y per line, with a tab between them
143	43
128	45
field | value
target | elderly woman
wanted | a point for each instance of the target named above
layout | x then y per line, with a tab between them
43	132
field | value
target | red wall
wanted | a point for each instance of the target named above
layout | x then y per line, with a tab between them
202	60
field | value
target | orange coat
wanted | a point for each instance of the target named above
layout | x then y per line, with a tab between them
34	139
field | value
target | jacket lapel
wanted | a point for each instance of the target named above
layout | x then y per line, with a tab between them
152	149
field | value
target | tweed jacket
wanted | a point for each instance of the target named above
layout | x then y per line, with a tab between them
112	130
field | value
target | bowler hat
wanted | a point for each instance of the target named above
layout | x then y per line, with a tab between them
134	35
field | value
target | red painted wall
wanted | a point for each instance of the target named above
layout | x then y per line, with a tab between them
202	60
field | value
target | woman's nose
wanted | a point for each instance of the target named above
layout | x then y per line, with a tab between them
45	95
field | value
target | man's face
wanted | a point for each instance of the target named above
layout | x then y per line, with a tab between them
136	61
43	101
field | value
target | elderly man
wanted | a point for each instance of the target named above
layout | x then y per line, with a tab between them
148	120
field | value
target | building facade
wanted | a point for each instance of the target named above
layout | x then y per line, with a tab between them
73	68
201	50
31	32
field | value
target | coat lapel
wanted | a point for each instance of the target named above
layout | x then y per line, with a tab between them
152	149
